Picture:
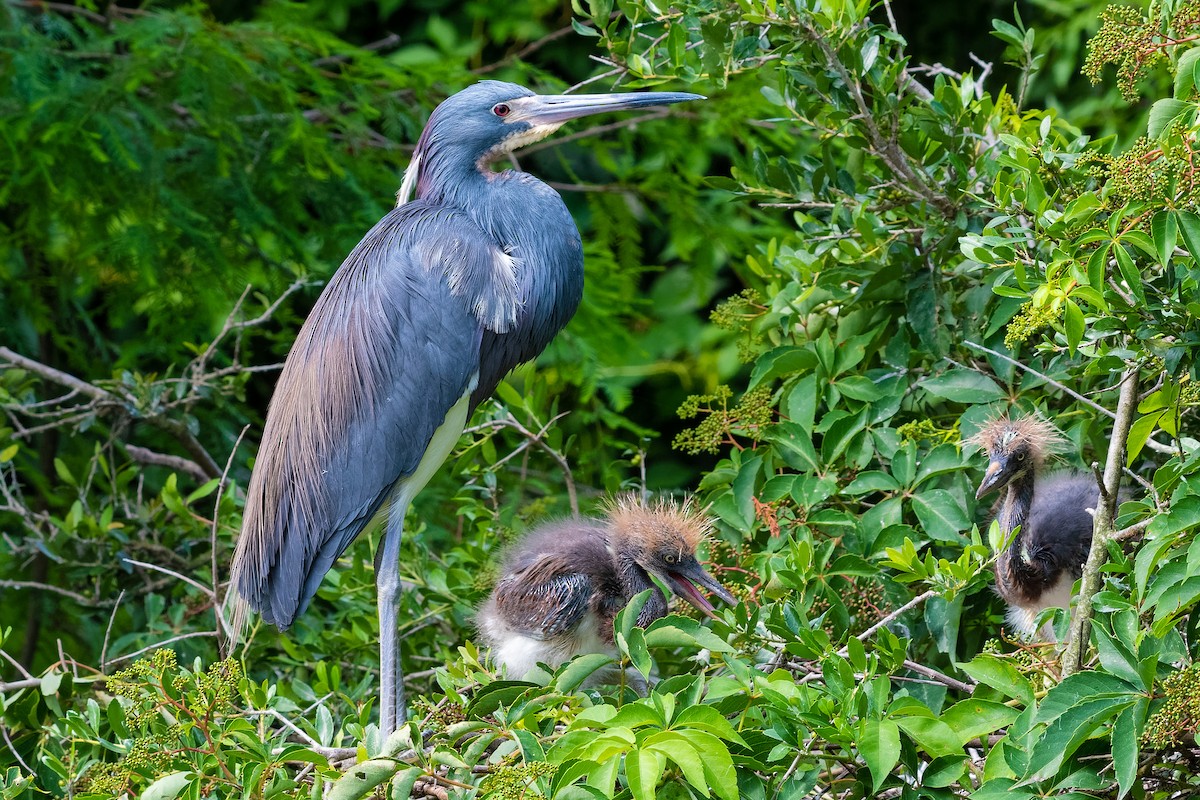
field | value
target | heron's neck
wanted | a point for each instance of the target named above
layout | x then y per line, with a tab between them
633	580
1014	508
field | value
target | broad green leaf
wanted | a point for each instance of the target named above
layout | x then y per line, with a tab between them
579	670
1127	732
934	736
1185	80
973	718
1165	226
1166	111
940	514
170	786
1129	271
1189	229
707	718
361	779
679	631
1069	730
718	764
1000	675
871	481
879	745
643	768
680	751
963	386
1073	325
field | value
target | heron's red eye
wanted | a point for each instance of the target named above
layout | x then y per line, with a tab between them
501	109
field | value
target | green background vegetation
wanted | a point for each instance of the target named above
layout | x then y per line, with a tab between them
886	225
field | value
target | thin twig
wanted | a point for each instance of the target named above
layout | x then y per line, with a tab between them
45	587
160	645
869	632
929	672
108	630
143	455
1092	404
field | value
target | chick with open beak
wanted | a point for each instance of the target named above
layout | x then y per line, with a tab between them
561	586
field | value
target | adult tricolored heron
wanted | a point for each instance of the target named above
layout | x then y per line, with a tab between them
473	273
561	585
1043	560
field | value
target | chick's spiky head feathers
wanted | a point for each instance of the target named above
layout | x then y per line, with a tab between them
664	524
1005	435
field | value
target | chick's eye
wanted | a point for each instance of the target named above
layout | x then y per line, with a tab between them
669	558
1020	456
501	110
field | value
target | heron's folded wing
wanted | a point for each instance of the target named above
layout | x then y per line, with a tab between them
390	347
546	598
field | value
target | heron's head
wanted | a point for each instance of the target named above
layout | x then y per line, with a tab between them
489	119
1015	447
662	538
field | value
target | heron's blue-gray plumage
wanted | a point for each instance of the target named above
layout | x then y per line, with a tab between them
445	295
387	350
473	274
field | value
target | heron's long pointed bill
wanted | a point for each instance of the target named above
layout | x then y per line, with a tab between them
685	582
555	109
991	478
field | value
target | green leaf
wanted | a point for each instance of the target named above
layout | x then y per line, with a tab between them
940	514
782	361
718	764
679	750
1127	732
974	718
643	768
934	736
1185	80
1189	229
1166	111
707	718
169	787
963	386
679	631
1165	227
1073	325
1069	730
579	670
403	781
1000	675
1129	271
9	453
879	746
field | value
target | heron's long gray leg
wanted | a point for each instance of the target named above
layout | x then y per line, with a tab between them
392	708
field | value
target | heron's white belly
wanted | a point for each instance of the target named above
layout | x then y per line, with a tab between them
1023	619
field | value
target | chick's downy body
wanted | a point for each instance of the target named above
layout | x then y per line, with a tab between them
562	585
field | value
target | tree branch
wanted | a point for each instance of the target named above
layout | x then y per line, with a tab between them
1102	524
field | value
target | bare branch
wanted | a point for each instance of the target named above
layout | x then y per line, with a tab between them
1092	404
144	456
162	644
1102	524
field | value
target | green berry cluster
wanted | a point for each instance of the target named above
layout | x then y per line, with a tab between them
1189	392
752	414
1126	38
516	782
1179	716
1029	320
925	430
737	314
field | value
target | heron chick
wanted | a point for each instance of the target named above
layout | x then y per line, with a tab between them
1051	515
561	586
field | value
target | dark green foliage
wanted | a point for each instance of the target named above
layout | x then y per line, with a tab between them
903	253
